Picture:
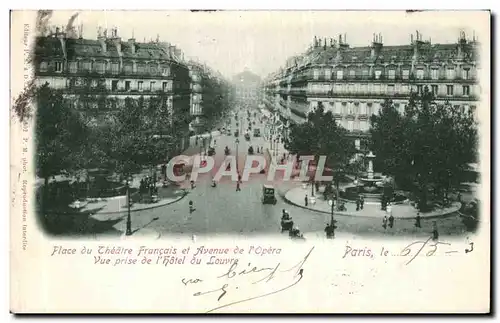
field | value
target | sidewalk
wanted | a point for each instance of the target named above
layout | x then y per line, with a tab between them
295	196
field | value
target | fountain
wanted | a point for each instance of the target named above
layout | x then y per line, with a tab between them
371	186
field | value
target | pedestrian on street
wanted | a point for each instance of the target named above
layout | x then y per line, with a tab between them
306	200
384	222
435	233
391	221
362	201
238	186
417	221
192	184
191	207
357	204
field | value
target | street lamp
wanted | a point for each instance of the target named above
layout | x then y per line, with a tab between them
332	204
237	141
330	230
129	220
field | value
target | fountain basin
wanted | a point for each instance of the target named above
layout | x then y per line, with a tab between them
370	194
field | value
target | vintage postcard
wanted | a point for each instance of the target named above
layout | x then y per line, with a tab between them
250	162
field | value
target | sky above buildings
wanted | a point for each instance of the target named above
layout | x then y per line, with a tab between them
261	41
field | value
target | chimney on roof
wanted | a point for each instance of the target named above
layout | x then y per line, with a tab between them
324	46
376	45
116	40
417	44
342	42
462	45
131	43
62	39
101	37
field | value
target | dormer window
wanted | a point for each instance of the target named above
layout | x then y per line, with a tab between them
43	67
58	67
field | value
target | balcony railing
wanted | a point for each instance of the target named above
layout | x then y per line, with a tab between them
106	74
384	78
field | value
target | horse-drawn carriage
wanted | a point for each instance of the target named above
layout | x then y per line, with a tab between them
286	225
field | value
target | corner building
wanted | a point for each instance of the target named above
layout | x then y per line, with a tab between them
353	82
109	70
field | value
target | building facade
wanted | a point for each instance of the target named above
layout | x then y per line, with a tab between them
247	86
211	95
112	70
352	83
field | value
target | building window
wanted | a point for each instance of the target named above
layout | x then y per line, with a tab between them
465	74
139	85
376	108
164	86
352	74
316	74
392	74
450	74
350	125
449	89
338	108
128	68
165	71
466	90
357	144
73	67
434	73
58	66
350	110
328	73
377	74
406	74
340	75
115	68
127	85
152	86
100	67
420	89
153	69
114	85
44	67
351	88
376	88
472	109
434	89
390	88
141	68
420	74
366	73
402	108
362	108
87	66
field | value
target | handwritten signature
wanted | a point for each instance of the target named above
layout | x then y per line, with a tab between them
251	271
415	248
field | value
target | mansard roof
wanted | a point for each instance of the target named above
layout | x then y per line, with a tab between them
400	53
53	47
